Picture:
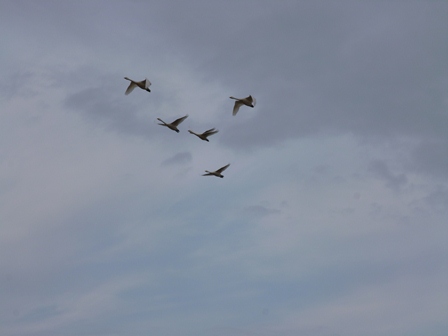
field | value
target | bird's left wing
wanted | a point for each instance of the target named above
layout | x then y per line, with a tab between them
178	121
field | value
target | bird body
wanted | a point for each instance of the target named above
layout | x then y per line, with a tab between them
204	135
144	85
217	173
248	101
174	124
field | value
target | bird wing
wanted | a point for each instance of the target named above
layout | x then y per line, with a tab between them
178	121
209	132
146	83
236	107
220	170
130	88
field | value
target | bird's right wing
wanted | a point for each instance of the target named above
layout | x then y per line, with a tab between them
178	121
130	88
220	170
209	132
236	107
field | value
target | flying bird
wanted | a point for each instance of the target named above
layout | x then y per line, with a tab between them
248	101
144	85
204	135
174	124
216	173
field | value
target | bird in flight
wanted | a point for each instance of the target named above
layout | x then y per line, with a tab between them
174	124
248	101
144	85
218	172
204	135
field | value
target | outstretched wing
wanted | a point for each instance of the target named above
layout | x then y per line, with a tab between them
178	121
220	170
236	107
209	132
130	88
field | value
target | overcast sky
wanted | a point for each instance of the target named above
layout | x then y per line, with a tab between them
332	219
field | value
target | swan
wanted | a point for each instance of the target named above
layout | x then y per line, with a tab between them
204	135
144	84
248	101
174	124
216	173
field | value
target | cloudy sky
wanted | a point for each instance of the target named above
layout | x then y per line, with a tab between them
332	219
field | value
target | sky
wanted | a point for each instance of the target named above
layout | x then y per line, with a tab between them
332	219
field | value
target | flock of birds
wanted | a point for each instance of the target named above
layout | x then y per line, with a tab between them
248	101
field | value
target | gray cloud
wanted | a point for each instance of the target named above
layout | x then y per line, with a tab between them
393	181
178	158
431	157
346	91
259	211
365	71
108	112
371	75
15	84
438	198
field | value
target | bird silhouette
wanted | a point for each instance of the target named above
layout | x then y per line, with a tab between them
217	173
174	124
144	85
204	135
248	101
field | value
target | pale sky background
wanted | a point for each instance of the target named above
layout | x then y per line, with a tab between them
332	219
